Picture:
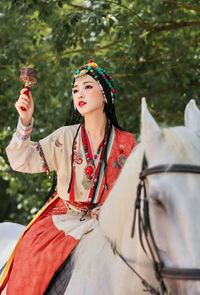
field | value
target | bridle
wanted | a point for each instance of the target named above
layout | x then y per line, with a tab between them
144	225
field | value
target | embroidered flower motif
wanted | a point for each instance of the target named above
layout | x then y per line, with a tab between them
57	143
121	159
77	158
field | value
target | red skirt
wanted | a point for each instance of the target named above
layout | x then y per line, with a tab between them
39	255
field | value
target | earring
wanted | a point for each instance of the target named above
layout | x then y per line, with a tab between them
102	91
74	107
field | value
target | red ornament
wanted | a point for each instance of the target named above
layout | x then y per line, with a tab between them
89	170
90	61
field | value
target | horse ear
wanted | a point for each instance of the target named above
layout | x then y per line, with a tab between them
149	127
192	116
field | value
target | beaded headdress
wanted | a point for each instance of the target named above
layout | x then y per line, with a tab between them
104	80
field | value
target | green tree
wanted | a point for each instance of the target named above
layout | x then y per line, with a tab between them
150	47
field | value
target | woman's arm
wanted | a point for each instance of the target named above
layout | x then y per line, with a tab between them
25	155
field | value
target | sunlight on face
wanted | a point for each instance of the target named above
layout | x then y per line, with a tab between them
87	95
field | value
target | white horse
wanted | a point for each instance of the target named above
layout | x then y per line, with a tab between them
9	234
174	203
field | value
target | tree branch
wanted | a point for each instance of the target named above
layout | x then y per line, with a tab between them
173	26
94	49
183	5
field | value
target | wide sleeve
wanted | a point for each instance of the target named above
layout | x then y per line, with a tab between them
28	156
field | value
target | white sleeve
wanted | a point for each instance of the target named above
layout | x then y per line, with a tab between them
27	156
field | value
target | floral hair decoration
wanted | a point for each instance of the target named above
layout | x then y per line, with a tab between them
104	80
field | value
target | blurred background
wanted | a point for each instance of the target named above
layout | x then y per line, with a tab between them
151	48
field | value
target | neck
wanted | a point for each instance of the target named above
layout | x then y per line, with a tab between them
95	125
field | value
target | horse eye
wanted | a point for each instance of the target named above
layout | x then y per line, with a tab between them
155	199
158	203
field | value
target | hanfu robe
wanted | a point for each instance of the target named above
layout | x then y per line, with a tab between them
57	228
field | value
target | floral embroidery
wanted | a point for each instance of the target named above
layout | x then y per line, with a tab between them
77	158
23	132
121	159
41	153
21	136
57	143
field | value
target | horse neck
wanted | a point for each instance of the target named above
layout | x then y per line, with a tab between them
117	212
116	221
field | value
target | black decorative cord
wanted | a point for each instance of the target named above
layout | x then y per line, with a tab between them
72	159
104	158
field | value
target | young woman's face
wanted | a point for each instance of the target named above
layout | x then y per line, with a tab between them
87	95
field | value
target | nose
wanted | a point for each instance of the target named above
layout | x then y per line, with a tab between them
80	94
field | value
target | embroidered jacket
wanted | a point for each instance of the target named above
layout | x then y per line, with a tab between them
54	153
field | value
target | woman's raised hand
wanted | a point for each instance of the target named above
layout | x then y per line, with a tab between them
25	106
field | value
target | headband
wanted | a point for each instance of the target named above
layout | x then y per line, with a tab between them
104	80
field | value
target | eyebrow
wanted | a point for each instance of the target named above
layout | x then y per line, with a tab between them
84	83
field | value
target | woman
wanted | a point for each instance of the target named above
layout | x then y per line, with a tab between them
87	159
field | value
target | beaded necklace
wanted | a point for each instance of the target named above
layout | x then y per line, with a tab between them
91	171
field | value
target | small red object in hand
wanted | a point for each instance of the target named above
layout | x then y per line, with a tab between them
29	77
26	92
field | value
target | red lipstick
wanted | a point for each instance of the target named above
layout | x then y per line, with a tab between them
81	103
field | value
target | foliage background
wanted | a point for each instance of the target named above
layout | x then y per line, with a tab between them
150	47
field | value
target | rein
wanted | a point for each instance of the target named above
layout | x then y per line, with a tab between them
146	285
144	225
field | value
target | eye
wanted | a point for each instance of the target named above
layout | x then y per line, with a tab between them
88	86
75	91
158	203
155	199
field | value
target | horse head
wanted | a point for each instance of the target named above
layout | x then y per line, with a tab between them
173	197
168	204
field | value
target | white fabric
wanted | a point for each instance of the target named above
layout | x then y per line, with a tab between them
70	223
